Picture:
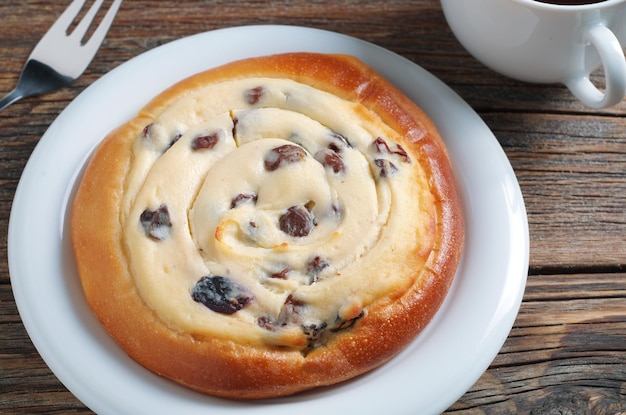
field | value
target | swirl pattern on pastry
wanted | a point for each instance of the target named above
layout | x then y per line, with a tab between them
277	211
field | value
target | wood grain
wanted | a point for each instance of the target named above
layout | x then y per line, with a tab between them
566	353
572	170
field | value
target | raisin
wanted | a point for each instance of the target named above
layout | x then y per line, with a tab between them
235	122
314	333
329	158
285	154
291	310
266	323
383	148
297	221
205	141
341	324
221	294
315	267
343	142
282	274
146	130
254	95
387	168
294	302
317	334
402	153
243	198
156	223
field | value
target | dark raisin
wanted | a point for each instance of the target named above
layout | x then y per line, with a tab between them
205	141
334	147
341	324
338	142
254	95
146	130
221	294
156	223
387	168
297	221
329	158
282	274
294	302
314	333
292	308
402	153
266	323
315	267
235	122
281	155
243	198
383	148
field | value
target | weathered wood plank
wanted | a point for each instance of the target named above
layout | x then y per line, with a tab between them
565	354
572	171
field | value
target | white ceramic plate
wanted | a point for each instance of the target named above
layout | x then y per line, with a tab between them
426	378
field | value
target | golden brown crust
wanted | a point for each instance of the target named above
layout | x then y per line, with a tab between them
224	368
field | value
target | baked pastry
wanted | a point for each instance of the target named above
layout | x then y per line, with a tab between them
269	226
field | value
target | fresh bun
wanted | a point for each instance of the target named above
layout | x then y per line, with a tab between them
269	226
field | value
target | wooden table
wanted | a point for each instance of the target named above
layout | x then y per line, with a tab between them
566	353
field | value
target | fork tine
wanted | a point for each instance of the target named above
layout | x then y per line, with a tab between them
65	20
99	34
80	30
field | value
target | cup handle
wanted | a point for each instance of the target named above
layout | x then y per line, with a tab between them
614	63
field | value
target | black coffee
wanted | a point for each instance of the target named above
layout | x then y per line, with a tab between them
570	2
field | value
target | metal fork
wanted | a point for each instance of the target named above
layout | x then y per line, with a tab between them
59	58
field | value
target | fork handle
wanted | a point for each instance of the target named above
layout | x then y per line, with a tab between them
10	98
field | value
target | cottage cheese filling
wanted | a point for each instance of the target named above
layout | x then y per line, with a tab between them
264	211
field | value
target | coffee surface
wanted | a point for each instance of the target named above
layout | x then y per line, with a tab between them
571	2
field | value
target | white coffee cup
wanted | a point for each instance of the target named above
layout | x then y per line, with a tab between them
541	42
